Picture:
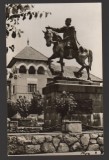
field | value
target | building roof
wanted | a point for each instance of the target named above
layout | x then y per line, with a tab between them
28	53
69	72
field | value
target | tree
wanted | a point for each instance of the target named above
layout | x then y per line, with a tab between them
23	106
11	108
65	104
37	103
17	12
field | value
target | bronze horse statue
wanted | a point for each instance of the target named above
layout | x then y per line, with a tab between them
60	51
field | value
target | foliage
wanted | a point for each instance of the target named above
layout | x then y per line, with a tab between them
17	12
23	106
65	103
11	108
37	103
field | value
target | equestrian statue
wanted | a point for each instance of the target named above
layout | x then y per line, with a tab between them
68	47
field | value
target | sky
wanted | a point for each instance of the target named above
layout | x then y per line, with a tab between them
86	18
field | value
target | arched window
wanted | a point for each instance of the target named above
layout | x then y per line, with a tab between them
40	70
22	69
31	70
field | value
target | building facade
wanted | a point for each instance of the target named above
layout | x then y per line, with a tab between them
29	74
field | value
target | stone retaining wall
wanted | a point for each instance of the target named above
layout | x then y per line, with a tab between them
25	130
54	143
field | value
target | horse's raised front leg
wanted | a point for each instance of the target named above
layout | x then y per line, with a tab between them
50	60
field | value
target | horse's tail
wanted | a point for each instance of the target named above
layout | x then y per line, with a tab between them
90	59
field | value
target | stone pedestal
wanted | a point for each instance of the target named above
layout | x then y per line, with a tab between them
87	94
72	126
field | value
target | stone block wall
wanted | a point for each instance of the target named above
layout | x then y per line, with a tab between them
24	126
19	144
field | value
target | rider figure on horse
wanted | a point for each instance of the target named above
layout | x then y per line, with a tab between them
67	48
69	35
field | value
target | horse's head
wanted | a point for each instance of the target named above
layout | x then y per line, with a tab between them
48	35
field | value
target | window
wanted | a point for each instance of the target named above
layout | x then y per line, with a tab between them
22	69
41	70
31	70
32	87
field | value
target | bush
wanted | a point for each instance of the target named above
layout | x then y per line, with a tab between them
65	104
23	106
37	104
11	108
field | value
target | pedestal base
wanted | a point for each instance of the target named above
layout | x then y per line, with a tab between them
72	126
87	94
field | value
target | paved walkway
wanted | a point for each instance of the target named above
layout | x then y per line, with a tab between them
62	154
